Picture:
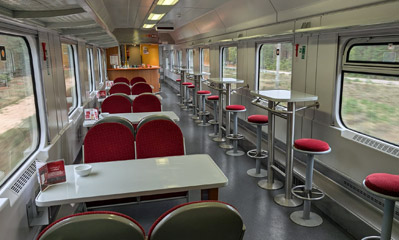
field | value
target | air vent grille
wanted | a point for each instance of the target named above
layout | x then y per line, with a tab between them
394	151
24	178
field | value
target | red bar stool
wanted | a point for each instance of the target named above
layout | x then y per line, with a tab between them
186	95
305	192
203	113
214	122
259	121
235	109
386	186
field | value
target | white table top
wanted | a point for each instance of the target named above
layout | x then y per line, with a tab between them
225	80
134	117
284	95
120	179
132	97
199	73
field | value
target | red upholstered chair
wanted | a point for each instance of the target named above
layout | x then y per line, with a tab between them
116	119
117	103
120	88
108	142
121	80
158	136
306	192
141	87
136	80
385	186
146	102
99	225
210	220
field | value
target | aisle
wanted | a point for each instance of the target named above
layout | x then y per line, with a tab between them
263	218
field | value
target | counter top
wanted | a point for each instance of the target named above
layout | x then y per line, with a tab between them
225	80
128	69
284	95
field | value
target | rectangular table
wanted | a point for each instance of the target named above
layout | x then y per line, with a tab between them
291	98
134	117
133	178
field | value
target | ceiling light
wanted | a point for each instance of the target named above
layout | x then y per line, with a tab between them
154	16
148	25
167	2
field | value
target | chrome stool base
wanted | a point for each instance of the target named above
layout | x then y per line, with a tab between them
213	134
282	201
313	221
204	124
226	145
270	186
219	139
254	154
235	154
195	117
252	173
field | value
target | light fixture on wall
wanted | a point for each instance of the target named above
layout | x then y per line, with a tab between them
167	2
155	16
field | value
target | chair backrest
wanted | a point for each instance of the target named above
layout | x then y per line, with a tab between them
99	225
108	142
210	220
146	102
120	88
136	80
141	87
117	103
121	79
117	119
158	136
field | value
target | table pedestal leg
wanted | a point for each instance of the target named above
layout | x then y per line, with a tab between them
286	199
227	144
195	100
220	137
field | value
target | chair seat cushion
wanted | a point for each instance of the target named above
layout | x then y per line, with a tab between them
186	83
191	86
178	80
313	145
203	92
213	97
235	107
384	183
258	119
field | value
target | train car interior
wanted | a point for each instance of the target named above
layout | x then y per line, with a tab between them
199	120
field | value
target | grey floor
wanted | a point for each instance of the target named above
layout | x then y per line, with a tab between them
263	218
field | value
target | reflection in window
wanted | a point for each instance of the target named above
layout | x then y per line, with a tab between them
19	132
69	76
229	61
275	66
205	66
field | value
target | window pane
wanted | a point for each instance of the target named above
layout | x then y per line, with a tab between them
69	76
172	60
205	67
19	133
229	62
275	66
190	60
90	69
180	58
370	105
378	53
100	67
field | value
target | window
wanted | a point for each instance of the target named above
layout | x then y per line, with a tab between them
172	60
19	131
100	66
190	60
69	76
205	66
229	62
275	66
180	58
90	71
370	87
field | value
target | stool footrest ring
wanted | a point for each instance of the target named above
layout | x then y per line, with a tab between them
310	195
235	137
253	154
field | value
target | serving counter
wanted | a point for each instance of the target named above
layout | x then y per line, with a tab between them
151	75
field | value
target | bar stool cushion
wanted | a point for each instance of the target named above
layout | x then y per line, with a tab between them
186	83
213	97
258	119
383	183
191	86
203	92
178	80
313	145
235	107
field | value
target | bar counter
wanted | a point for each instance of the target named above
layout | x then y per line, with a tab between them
151	75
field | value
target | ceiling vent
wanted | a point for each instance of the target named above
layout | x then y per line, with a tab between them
164	28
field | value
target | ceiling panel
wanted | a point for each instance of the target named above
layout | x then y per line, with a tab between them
209	22
35	5
69	18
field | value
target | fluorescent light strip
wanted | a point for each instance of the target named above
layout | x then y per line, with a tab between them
154	16
167	2
148	25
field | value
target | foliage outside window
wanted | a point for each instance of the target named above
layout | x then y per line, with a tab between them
69	76
229	62
205	66
190	60
275	66
19	131
370	87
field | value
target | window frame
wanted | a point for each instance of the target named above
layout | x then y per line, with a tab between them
221	49
92	82
33	52
188	59
100	66
202	59
362	67
75	72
